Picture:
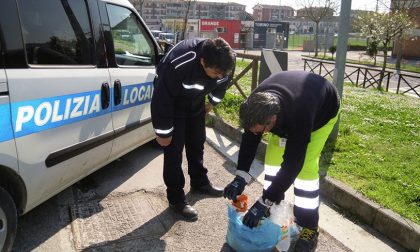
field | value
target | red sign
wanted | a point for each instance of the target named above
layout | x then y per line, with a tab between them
227	29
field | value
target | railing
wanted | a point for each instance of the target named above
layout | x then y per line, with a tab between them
362	76
253	65
404	83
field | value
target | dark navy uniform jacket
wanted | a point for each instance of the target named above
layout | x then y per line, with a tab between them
181	86
307	102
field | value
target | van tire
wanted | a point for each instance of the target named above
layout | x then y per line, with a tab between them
8	221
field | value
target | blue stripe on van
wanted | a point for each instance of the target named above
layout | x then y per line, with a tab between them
134	95
6	131
33	116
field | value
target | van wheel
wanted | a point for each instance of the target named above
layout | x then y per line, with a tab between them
8	221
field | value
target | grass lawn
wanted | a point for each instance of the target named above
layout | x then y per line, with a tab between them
377	151
296	40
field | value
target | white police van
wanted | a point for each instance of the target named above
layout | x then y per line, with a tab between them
74	95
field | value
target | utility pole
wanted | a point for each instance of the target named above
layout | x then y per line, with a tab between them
340	61
279	9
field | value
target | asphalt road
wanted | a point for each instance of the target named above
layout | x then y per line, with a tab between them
122	207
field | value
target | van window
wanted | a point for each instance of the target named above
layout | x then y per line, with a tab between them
56	32
132	46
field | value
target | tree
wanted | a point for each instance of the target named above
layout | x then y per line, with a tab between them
372	50
138	5
364	21
401	6
184	29
332	50
384	28
316	11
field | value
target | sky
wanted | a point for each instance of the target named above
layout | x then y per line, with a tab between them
355	4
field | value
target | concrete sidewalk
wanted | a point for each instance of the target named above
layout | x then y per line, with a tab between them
356	237
123	207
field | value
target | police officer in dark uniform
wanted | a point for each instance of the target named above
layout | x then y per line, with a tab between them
192	70
299	109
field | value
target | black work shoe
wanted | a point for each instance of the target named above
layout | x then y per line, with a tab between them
308	240
186	210
208	190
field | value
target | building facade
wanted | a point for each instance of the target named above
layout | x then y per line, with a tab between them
263	12
411	48
304	25
271	35
305	12
154	11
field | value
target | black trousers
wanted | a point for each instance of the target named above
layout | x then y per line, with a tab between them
191	133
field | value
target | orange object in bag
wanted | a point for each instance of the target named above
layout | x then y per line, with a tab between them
241	203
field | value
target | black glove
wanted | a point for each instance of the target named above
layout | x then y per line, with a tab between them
235	188
255	214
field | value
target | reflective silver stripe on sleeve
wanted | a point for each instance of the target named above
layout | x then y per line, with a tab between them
244	175
193	86
222	80
164	132
271	170
214	98
190	52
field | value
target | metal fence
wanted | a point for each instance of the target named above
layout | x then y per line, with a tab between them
400	83
361	76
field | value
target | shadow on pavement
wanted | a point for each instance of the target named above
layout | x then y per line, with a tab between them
45	221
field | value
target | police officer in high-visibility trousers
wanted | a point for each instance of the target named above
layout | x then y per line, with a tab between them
191	70
299	109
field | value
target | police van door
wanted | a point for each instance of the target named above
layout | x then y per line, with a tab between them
60	103
7	144
134	53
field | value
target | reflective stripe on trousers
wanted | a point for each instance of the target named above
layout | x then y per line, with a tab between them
306	185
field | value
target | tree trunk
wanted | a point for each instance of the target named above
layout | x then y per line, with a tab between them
398	49
184	29
374	59
385	50
316	38
325	43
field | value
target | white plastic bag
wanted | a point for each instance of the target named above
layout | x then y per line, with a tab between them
282	215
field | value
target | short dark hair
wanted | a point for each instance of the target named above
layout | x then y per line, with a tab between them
258	109
218	54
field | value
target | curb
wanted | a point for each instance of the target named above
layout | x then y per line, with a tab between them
403	231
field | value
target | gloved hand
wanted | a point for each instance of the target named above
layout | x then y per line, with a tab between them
235	188
256	213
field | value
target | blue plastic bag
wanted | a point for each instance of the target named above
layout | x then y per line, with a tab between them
241	238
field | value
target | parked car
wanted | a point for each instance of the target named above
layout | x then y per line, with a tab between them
75	95
156	33
167	36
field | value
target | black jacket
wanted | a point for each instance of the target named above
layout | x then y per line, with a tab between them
307	102
181	86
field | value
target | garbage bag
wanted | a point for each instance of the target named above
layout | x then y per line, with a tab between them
241	238
282	215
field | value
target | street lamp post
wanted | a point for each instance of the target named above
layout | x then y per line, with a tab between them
340	62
